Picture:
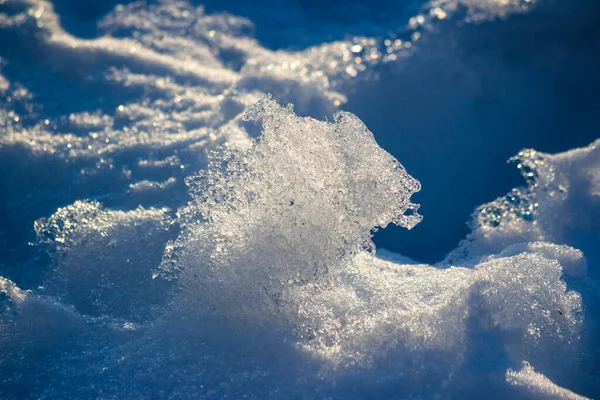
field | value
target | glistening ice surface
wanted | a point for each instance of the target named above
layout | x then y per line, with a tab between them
187	212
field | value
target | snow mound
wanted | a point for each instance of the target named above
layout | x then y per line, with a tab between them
104	261
264	283
561	204
416	324
537	385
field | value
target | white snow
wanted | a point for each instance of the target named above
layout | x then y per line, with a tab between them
196	237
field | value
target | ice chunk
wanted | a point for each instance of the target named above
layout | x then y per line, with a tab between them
291	209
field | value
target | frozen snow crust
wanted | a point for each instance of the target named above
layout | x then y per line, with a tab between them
173	231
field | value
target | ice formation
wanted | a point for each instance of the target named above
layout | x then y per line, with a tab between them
292	209
174	232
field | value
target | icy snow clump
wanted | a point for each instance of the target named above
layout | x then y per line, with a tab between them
292	209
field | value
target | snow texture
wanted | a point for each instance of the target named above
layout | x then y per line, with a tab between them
173	229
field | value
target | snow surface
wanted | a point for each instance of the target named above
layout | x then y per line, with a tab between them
170	229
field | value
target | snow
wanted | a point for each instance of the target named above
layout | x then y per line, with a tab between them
171	228
538	385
